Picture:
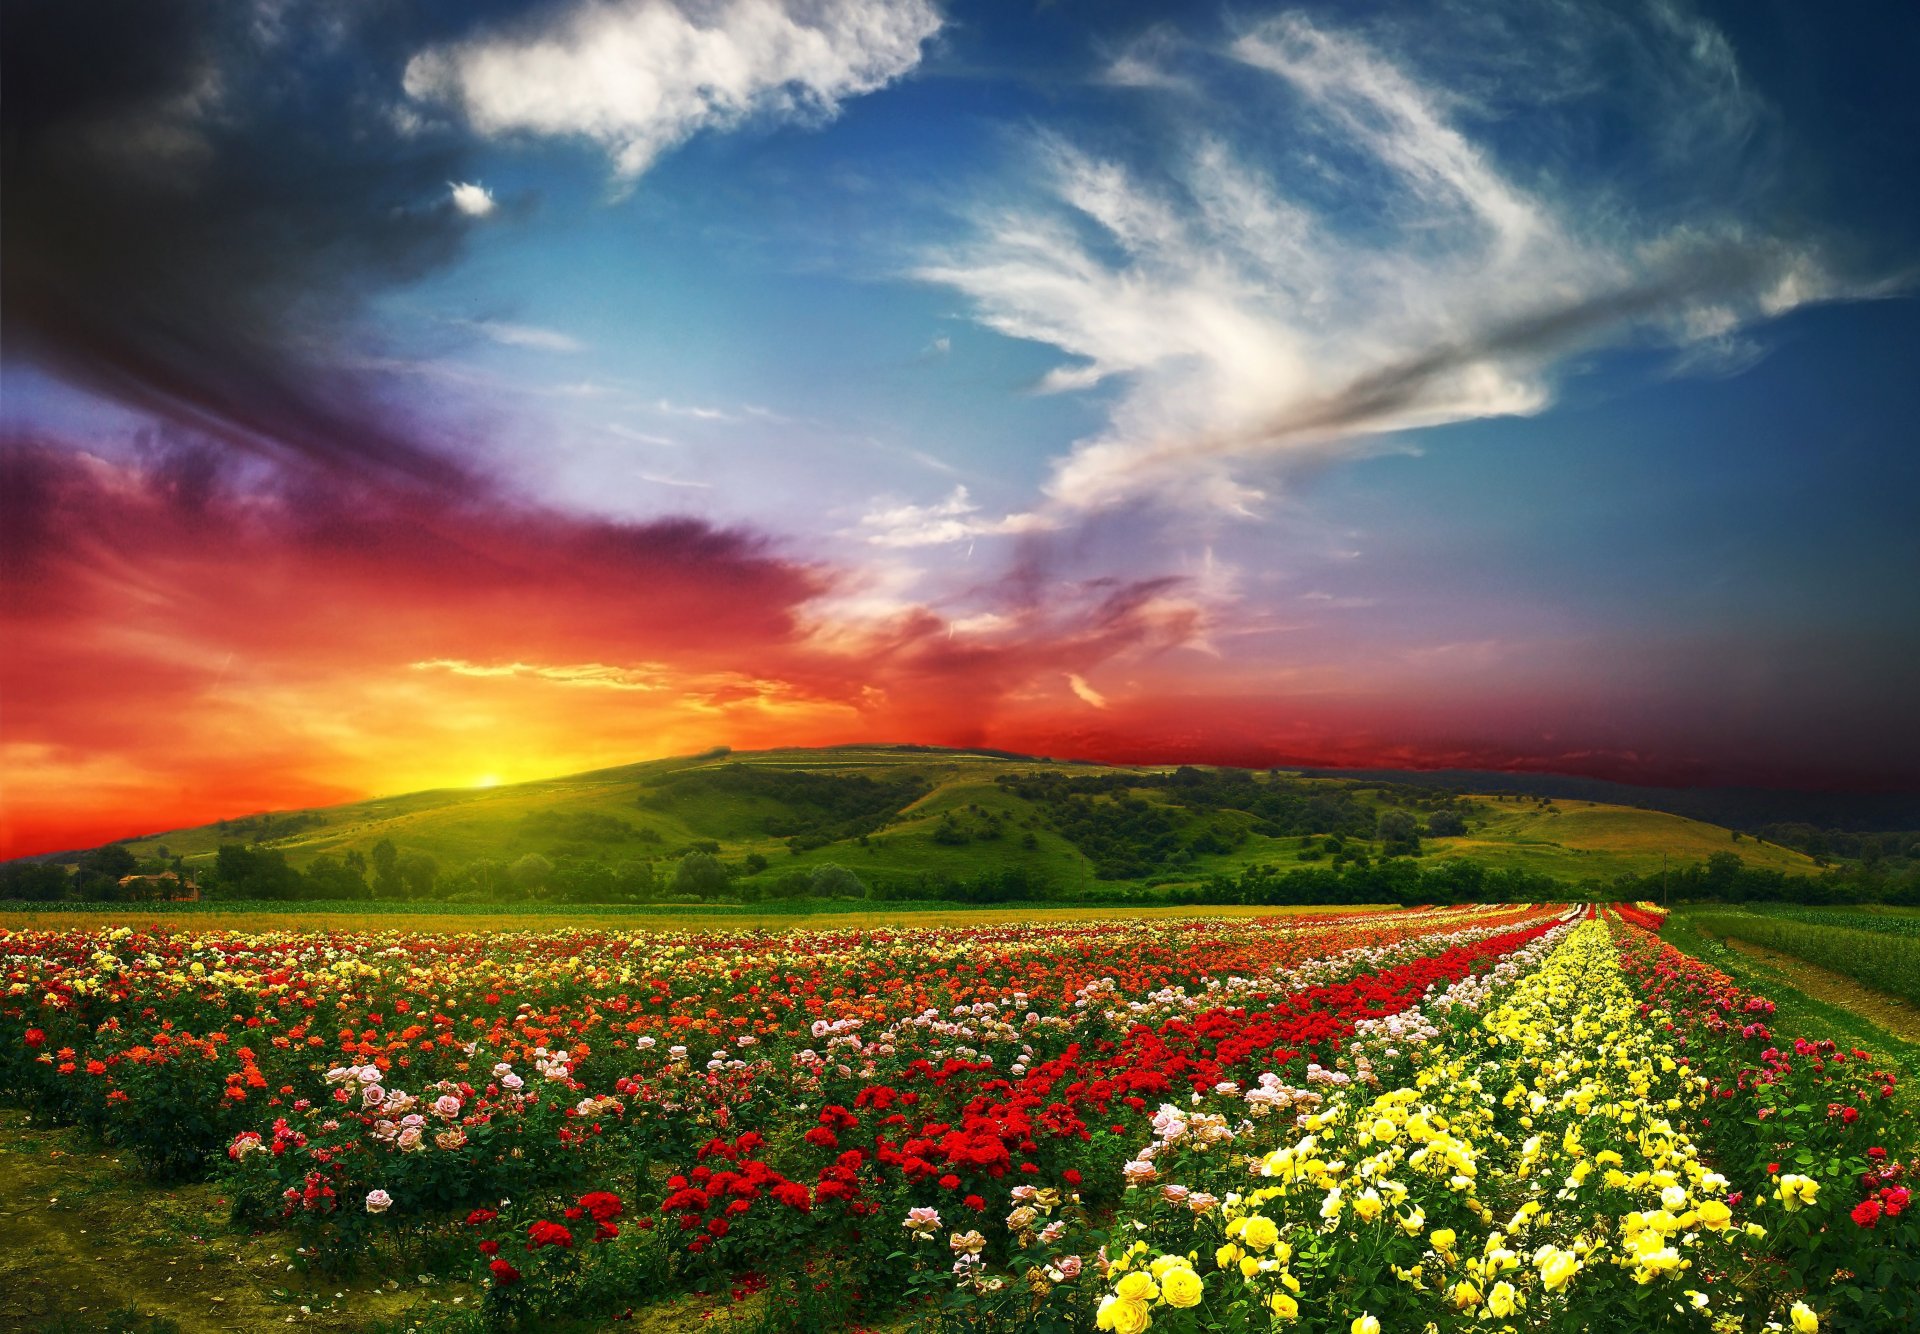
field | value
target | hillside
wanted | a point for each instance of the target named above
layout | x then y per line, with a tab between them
901	814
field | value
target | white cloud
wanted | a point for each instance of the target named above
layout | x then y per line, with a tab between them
1387	270
1078	685
642	76
648	677
525	335
669	408
476	201
954	519
641	437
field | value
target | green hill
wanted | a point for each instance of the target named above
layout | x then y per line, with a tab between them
900	813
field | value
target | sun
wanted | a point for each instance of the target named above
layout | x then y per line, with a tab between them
487	780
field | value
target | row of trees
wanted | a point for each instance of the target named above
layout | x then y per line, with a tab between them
240	871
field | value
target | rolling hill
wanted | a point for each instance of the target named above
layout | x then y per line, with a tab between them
900	812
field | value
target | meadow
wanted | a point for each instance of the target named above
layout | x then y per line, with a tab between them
1516	1117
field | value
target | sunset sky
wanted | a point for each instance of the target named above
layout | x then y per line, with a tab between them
426	394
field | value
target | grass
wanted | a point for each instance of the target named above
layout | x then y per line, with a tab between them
1880	917
1574	839
93	1247
1567	840
1877	959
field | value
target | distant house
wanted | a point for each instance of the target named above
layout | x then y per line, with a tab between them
167	886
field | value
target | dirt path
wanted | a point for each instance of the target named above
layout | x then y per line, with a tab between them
1890	1012
90	1246
86	1245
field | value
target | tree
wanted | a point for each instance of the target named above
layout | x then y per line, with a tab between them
255	873
531	873
100	870
417	871
386	870
336	878
701	875
1445	824
831	881
633	882
1398	834
753	863
37	882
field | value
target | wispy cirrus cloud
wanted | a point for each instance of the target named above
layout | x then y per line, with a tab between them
524	335
953	519
1412	265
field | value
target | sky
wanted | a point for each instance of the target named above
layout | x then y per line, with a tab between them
435	394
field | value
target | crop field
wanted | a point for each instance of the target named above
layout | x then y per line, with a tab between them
1879	951
1479	1118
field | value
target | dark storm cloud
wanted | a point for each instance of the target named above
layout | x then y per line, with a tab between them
197	202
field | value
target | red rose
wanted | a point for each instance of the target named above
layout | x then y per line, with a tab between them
1866	1213
504	1274
544	1233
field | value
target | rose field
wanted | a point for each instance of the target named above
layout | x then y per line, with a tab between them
1478	1118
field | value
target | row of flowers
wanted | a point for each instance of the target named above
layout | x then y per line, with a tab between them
1539	1169
1809	1130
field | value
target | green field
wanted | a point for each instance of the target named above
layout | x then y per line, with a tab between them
621	814
1886	960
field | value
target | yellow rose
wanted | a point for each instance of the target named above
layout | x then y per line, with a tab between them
1501	1300
1135	1287
1123	1317
1260	1232
1714	1216
1364	1324
1558	1268
1465	1295
1797	1191
1181	1287
1227	1256
1443	1239
1283	1306
1804	1320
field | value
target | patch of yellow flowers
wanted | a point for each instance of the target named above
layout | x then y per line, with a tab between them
1544	1161
1169	1280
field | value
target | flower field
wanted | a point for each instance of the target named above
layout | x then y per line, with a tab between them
1460	1119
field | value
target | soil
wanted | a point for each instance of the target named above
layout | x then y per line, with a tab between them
1890	1012
91	1246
